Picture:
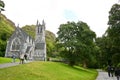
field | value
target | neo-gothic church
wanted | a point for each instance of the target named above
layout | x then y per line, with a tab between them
22	43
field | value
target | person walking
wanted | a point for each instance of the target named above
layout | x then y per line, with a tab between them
117	73
25	56
21	58
112	70
109	70
13	58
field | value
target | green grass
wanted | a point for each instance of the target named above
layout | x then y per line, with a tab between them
47	71
6	60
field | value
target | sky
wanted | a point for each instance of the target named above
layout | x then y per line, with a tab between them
55	12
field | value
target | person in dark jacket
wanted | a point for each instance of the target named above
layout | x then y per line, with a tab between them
109	70
117	73
112	70
25	56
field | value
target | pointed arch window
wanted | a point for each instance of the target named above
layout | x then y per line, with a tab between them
15	44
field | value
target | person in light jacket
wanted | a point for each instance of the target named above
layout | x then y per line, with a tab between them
21	58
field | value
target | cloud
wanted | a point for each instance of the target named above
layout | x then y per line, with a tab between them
56	12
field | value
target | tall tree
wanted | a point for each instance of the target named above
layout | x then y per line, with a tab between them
113	31
77	42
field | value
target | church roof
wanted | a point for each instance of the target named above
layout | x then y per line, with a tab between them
19	32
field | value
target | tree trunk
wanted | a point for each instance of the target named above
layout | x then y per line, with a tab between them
84	64
72	63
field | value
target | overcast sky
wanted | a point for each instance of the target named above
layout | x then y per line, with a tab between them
55	12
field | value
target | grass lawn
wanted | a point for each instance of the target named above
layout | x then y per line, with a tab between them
46	71
6	60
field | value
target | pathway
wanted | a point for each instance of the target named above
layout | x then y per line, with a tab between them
102	75
10	64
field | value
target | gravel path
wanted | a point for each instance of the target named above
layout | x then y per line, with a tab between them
102	75
8	64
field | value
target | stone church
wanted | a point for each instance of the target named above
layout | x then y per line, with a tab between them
22	43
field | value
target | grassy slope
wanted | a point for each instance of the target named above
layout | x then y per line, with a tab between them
46	71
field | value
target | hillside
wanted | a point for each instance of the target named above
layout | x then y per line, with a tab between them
6	29
30	29
47	71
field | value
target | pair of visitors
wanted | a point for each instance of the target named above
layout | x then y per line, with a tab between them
111	70
23	58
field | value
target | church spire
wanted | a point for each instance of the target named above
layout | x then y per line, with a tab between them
43	22
37	22
18	25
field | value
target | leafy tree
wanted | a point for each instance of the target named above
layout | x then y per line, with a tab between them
6	29
104	54
2	5
113	31
51	44
77	42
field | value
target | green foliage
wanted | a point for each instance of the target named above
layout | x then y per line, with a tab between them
113	32
30	30
44	71
2	4
109	45
51	44
6	29
5	60
104	53
114	15
77	42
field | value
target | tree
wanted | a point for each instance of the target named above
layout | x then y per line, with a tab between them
2	5
104	55
50	43
113	31
77	42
